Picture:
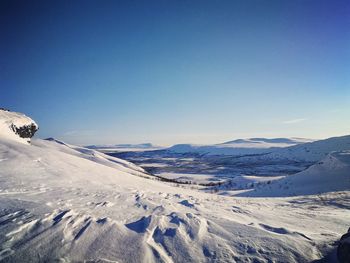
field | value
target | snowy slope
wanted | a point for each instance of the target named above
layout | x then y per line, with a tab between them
313	151
60	205
63	203
11	122
239	146
329	175
92	155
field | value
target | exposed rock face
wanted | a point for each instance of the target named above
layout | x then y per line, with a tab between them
343	252
16	126
26	131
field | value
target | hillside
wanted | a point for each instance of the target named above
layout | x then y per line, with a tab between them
239	147
329	175
312	151
65	203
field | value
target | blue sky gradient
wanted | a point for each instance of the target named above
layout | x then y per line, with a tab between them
93	72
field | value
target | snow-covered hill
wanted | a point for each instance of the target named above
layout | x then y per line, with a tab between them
266	142
94	156
63	203
240	146
311	152
58	203
329	175
16	126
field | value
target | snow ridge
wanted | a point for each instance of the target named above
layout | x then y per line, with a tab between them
328	175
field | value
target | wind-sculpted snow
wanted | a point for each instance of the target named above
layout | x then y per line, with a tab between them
65	203
16	126
68	203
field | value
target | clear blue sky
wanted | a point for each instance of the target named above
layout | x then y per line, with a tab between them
177	71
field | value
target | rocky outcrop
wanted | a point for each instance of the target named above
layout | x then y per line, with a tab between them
343	252
16	126
26	131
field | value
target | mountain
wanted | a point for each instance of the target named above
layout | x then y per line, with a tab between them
261	149
266	142
328	175
312	151
125	147
239	146
65	203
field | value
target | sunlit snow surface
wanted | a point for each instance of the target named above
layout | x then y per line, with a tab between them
64	203
61	202
10	119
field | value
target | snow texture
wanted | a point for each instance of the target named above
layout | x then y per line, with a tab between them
64	203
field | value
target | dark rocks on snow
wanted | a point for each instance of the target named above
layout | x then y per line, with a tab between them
343	252
26	131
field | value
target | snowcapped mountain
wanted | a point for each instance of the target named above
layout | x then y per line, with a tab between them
294	149
16	126
65	203
125	147
329	175
266	142
312	151
240	146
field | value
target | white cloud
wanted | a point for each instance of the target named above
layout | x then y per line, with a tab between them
294	121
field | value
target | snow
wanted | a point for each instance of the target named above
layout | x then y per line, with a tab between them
16	119
313	151
93	155
329	175
65	203
265	142
240	146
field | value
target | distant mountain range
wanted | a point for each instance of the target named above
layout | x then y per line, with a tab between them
240	146
235	147
295	149
266	142
127	145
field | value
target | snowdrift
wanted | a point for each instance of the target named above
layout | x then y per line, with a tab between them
64	203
